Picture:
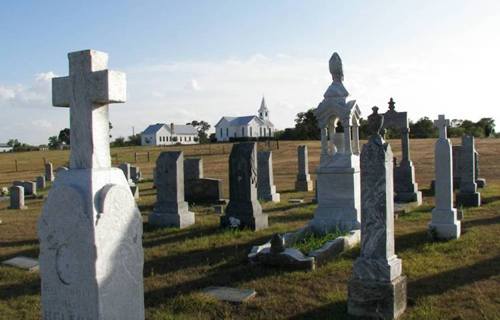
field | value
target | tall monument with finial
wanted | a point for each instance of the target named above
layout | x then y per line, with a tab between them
377	288
338	181
90	230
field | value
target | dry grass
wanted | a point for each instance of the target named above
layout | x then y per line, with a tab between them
446	280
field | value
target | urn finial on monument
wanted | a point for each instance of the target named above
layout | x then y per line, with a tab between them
336	89
392	104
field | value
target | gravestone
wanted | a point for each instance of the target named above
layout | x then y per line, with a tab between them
444	224
243	210
90	230
405	186
198	189
481	182
170	210
49	172
126	169
303	182
193	169
468	195
40	182
17	198
135	174
20	262
29	188
337	177
266	190
377	288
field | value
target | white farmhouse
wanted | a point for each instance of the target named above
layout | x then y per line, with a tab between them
246	126
162	134
5	147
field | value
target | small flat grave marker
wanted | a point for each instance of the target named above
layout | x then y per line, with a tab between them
230	294
296	200
24	263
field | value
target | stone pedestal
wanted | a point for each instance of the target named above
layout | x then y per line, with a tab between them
377	288
468	195
404	184
266	190
303	182
40	182
444	224
49	172
17	198
243	210
171	210
338	199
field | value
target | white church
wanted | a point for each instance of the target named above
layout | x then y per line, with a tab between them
246	126
161	134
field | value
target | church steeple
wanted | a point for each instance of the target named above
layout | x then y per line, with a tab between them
263	111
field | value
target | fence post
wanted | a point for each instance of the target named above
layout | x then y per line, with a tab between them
277	144
15	161
135	157
148	156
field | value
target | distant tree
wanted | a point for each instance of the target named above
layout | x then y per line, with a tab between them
134	140
487	125
423	128
64	136
306	126
54	142
202	128
119	142
13	143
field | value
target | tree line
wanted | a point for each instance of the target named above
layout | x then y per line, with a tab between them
306	128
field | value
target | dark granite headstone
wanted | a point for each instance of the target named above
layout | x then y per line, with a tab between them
244	210
266	190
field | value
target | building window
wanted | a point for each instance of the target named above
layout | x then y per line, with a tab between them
242	131
269	131
221	132
227	132
251	133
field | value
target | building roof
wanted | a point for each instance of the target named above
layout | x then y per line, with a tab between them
184	129
152	129
178	129
241	121
4	145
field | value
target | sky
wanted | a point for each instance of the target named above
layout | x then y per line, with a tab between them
201	60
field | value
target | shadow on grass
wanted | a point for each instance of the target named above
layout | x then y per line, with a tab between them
486	200
480	222
233	269
452	279
427	192
32	253
178	236
18	243
12	291
287	207
337	311
290	217
412	240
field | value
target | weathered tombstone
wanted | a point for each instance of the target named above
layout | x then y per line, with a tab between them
377	288
126	169
170	210
481	182
444	224
457	165
468	195
243	210
303	182
193	168
338	173
135	174
266	190
198	189
49	172
40	182
17	198
29	188
90	230
405	185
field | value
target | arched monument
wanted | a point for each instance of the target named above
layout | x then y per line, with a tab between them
338	176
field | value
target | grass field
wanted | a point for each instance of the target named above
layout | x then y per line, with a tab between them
446	280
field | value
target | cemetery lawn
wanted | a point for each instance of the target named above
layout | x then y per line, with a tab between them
446	280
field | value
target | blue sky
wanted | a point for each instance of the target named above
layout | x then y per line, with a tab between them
190	60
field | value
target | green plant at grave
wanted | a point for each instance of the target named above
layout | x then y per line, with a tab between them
313	241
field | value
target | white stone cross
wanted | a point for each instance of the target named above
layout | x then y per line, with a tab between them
87	91
441	123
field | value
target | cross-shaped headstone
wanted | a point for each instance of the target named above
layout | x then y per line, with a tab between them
87	91
441	123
